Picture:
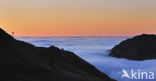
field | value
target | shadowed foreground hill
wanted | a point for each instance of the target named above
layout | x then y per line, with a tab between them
20	61
141	47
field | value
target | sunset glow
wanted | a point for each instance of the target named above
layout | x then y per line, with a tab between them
78	17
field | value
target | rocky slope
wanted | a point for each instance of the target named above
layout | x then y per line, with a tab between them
20	61
141	47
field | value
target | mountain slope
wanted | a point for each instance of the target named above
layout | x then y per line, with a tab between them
141	47
21	61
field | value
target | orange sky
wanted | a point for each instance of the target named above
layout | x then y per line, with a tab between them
78	17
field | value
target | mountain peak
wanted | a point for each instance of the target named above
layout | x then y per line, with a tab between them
141	47
4	35
2	31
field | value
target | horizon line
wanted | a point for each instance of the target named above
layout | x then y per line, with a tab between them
79	36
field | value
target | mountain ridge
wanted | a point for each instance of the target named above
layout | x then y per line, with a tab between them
21	61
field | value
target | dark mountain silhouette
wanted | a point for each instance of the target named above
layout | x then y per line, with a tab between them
21	61
141	47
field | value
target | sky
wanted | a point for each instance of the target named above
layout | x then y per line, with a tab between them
78	17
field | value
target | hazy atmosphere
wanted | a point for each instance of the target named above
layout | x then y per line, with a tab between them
78	40
78	17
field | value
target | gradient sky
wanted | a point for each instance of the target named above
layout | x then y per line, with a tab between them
78	17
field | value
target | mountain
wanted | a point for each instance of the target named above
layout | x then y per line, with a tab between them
21	61
141	47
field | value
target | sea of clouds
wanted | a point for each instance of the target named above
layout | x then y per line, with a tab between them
95	49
